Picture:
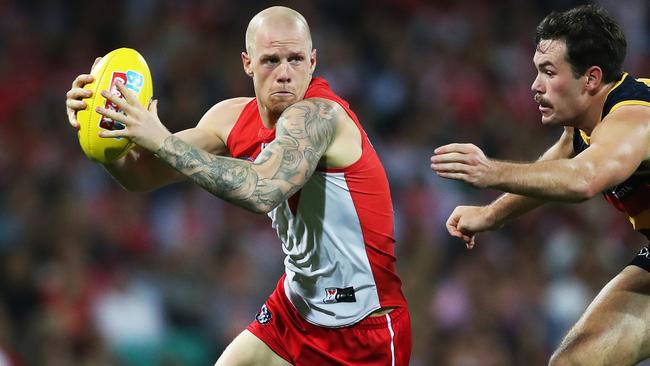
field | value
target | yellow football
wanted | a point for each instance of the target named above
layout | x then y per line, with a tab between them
123	64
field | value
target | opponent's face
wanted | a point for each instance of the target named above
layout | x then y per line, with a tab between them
561	96
281	63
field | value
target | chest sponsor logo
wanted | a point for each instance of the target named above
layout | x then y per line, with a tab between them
644	252
335	295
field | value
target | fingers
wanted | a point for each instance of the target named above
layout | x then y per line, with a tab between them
96	62
455	147
469	244
452	225
449	168
451	157
74	103
72	118
103	133
82	80
453	175
117	100
114	115
129	95
153	106
78	93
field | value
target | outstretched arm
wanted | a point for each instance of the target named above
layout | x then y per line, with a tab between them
618	145
465	221
509	205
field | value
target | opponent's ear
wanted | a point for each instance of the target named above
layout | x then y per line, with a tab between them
594	76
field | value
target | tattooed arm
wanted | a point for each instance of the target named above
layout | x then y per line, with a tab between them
303	134
140	170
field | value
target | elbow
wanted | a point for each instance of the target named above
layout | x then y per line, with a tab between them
584	189
256	207
263	208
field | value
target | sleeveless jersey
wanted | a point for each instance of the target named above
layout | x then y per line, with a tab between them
336	231
633	195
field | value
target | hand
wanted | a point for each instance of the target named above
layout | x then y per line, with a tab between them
141	125
465	221
465	162
73	102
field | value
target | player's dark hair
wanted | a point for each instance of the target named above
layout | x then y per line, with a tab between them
592	37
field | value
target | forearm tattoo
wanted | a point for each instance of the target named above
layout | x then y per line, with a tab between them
303	133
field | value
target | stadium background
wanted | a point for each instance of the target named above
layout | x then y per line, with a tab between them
93	275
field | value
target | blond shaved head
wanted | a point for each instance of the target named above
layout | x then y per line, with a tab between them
276	17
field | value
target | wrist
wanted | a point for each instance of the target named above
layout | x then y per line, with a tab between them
497	169
492	216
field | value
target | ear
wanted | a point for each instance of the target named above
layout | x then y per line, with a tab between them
246	63
312	60
594	76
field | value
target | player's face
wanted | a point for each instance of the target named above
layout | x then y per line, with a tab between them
561	96
281	63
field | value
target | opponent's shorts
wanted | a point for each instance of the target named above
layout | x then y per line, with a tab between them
642	259
376	341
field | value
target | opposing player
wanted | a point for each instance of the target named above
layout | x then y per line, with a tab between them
605	148
300	155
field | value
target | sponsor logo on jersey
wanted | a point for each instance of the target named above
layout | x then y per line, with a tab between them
335	294
264	315
644	252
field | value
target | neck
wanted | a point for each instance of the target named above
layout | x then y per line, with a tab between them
592	116
269	119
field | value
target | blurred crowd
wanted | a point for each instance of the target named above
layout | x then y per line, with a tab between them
93	275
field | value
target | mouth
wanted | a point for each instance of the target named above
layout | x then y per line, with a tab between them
282	94
543	105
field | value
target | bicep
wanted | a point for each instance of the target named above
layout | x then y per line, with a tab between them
203	139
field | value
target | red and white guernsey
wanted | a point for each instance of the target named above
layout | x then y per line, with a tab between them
336	232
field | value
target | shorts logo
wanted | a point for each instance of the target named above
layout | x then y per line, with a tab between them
644	252
334	295
264	315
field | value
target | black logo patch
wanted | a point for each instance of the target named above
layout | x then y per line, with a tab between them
264	315
334	295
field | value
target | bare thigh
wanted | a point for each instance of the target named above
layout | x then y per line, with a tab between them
615	328
248	350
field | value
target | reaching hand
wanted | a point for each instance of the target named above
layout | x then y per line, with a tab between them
465	162
73	102
466	221
141	125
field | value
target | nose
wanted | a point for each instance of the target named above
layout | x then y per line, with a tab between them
283	73
536	87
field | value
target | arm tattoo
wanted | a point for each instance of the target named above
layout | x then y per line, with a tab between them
303	134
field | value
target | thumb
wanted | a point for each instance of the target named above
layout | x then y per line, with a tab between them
97	59
153	106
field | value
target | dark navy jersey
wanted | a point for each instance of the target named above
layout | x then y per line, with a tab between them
633	195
